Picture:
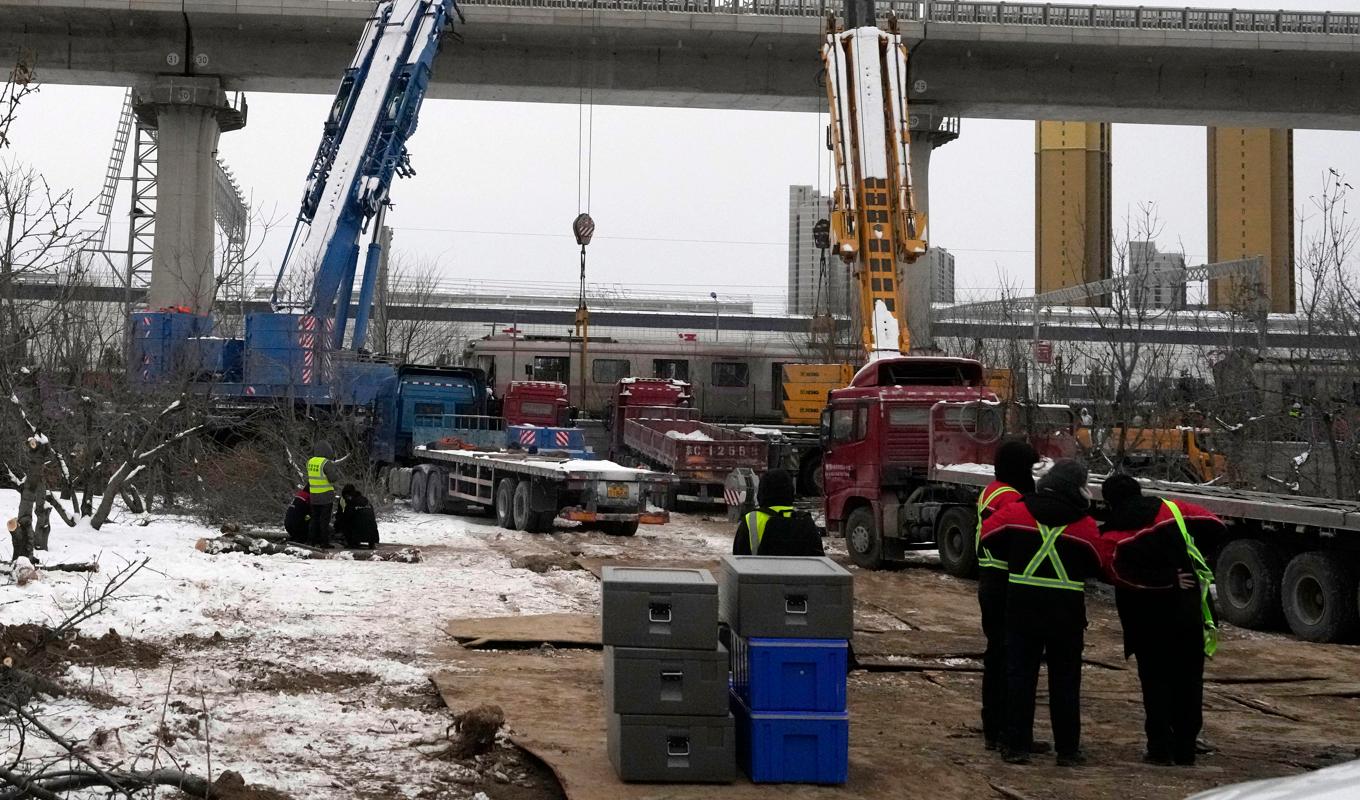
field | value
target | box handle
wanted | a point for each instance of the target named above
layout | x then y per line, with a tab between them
677	746
796	604
659	612
672	677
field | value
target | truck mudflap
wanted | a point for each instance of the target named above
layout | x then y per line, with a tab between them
645	518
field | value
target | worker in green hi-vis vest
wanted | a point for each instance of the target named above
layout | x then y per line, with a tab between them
1162	590
322	475
775	528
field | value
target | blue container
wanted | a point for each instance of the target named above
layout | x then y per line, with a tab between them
792	747
790	674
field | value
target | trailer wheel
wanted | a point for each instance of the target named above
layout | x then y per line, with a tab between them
1248	574
418	499
526	519
505	503
862	538
955	534
1319	598
810	482
436	491
615	528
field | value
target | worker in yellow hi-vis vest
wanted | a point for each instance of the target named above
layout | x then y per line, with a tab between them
322	475
1051	547
1014	471
775	528
1162	590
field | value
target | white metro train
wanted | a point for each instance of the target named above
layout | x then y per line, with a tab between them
732	382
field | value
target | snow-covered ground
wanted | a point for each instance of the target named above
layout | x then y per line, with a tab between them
312	691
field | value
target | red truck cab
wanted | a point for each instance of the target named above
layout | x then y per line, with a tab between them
878	453
541	403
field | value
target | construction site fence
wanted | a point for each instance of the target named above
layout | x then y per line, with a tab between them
969	11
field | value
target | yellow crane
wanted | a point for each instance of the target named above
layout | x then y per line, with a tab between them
875	227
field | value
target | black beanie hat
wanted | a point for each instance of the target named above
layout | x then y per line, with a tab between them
776	489
1119	490
1015	461
1066	479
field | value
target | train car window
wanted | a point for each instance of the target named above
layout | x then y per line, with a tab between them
675	369
609	370
552	368
731	374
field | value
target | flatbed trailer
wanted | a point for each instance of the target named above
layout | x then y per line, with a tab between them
527	492
1286	559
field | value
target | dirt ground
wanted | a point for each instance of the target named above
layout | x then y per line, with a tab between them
1273	705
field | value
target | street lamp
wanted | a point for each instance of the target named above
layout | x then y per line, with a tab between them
716	309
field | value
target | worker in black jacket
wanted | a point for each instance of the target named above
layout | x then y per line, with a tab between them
1051	546
297	519
775	529
1162	581
1014	465
355	520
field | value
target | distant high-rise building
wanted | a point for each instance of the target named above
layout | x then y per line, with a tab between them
813	290
1072	204
929	280
1156	279
1251	213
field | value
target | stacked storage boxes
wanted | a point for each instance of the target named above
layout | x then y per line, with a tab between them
666	677
791	620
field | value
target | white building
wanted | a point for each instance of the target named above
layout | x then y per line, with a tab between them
812	288
1157	278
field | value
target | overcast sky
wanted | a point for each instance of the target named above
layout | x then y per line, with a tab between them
688	201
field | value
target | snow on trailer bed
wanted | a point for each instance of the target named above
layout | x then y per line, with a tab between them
545	466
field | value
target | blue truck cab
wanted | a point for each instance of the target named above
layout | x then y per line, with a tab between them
426	400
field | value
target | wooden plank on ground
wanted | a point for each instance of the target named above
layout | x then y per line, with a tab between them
560	630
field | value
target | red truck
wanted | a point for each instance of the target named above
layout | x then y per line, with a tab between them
652	422
541	403
886	435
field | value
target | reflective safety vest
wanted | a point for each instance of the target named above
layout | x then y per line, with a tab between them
755	525
317	482
984	556
1048	551
1206	580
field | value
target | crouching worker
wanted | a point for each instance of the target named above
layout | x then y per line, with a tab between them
355	521
775	529
297	519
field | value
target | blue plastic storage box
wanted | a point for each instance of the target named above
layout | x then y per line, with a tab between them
789	674
792	747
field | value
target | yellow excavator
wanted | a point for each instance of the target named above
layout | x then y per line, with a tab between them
874	227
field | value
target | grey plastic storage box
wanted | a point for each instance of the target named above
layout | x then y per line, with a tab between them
682	749
651	681
675	609
786	597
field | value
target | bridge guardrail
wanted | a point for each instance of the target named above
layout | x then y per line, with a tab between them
974	11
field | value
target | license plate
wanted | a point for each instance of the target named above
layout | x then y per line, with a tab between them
617	490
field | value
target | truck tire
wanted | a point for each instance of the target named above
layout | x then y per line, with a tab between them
810	476
1248	574
436	491
955	533
862	538
526	519
618	528
505	503
1319	598
418	498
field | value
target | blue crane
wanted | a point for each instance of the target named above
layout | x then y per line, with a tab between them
295	352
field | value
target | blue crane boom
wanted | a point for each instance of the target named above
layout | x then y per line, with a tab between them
362	150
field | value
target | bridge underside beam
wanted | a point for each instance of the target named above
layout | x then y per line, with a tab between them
721	61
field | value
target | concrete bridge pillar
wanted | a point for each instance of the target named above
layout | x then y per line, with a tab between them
928	131
188	114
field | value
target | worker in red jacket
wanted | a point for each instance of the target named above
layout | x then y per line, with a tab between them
1051	546
1014	471
1162	582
